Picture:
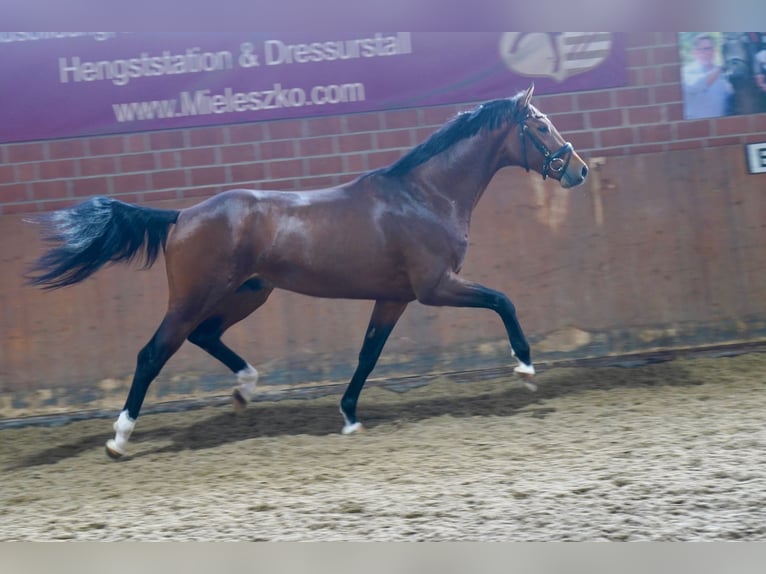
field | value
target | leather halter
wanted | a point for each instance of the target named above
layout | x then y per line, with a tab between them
552	162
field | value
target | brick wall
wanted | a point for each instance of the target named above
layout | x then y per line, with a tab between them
645	116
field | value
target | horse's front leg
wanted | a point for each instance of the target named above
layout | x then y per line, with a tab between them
453	291
384	318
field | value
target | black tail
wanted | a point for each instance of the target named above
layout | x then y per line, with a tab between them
96	232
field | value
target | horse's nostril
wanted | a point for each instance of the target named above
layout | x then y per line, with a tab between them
584	171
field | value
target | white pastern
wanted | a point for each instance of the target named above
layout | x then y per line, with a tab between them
247	380
123	428
349	427
523	369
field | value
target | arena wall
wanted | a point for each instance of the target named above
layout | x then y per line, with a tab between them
663	246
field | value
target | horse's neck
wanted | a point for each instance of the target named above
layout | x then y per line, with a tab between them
462	173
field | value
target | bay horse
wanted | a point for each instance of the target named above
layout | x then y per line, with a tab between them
394	235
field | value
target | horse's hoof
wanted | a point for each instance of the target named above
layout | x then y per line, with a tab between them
238	402
351	429
526	373
113	451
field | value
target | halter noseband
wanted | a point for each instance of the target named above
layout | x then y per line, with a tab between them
552	162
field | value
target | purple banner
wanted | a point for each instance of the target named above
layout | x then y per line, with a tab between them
74	84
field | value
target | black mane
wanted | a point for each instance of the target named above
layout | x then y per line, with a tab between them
487	116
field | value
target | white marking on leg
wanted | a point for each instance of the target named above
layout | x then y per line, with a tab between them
526	371
123	427
349	427
247	379
523	369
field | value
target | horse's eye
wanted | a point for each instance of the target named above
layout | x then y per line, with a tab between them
543	129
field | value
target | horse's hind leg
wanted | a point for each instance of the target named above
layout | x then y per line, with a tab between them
384	318
232	309
166	340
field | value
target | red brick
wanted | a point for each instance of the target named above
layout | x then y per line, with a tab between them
14	192
363	122
585	140
204	192
324	126
112	145
197	156
569	122
208	176
649	76
732	125
634	77
89	186
130	182
7	174
324	165
171	139
54	205
640	39
17	208
439	115
162	195
321	182
648	148
393	139
136	162
246	133
605	118
27	171
25	152
132	197
593	100
167	179
285	169
201	137
617	137
674	111
53	189
694	129
135	143
61	169
355	163
380	159
685	144
638	58
632	97
278	149
238	153
247	172
317	146
758	123
97	165
667	93
645	115
666	55
286	129
167	159
401	119
670	74
724	140
354	142
422	134
61	149
654	133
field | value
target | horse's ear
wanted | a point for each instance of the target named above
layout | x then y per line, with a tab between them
527	97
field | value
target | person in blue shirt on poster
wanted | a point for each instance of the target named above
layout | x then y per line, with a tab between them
706	89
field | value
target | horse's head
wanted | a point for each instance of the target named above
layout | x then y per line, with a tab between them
537	144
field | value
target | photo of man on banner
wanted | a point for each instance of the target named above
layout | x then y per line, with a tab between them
722	73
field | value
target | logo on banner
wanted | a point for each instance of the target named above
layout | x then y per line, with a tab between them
557	55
